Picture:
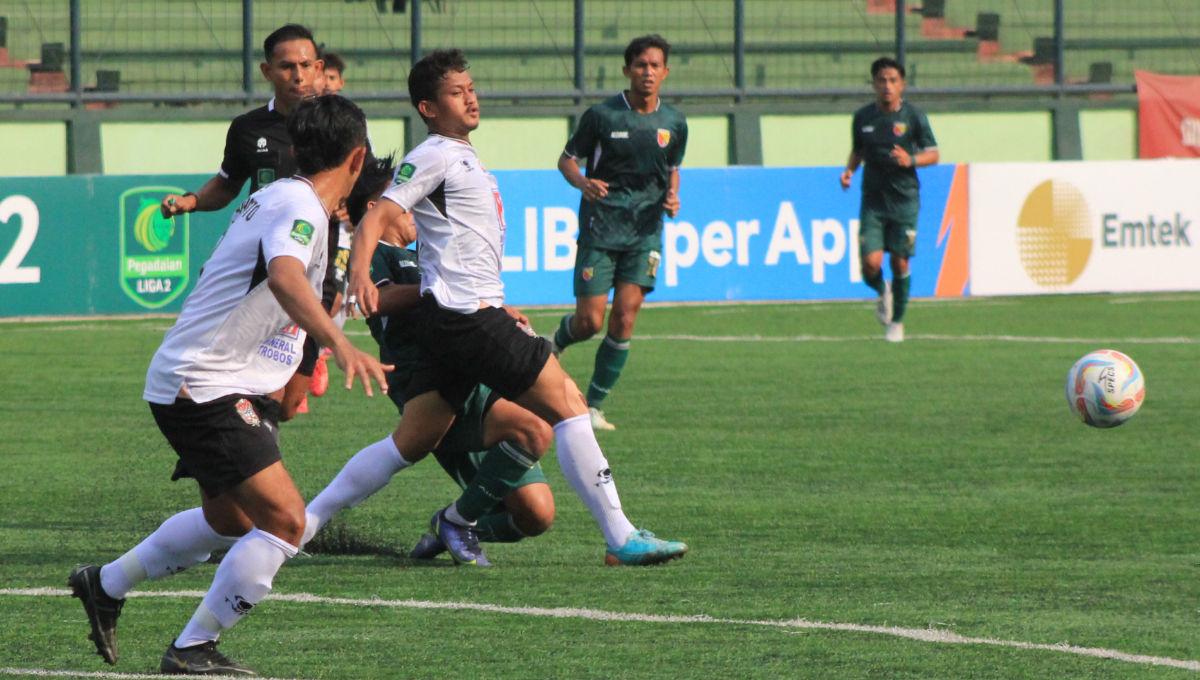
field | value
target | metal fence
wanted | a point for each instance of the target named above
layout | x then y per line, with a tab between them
75	52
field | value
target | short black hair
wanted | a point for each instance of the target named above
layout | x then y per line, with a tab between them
334	61
426	75
283	34
375	178
645	42
886	62
324	130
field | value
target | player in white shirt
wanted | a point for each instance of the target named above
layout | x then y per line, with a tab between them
468	333
238	339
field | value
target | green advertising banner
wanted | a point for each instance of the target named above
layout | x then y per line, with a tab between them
99	245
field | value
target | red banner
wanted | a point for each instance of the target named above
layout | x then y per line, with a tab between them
1168	115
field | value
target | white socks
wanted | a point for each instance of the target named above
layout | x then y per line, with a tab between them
586	469
367	472
182	541
242	581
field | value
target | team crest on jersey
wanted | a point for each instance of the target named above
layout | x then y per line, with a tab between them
587	273
302	232
405	173
154	257
898	129
664	137
246	410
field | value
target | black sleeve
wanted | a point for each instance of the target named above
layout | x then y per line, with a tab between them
234	167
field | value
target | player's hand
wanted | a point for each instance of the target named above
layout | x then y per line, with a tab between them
361	295
358	364
847	177
902	157
516	314
671	205
595	189
175	204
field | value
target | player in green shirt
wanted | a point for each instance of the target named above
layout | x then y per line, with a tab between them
891	138
633	144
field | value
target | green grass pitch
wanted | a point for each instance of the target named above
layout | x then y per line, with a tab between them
817	472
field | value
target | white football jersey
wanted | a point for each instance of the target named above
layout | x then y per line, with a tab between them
232	336
460	222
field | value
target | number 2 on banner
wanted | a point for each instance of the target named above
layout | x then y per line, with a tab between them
11	270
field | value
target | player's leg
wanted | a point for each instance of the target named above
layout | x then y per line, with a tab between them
528	512
870	247
635	276
270	500
594	271
555	397
427	417
900	242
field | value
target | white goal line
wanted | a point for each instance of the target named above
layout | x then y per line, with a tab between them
931	635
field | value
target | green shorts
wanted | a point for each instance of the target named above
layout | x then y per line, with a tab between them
461	450
597	270
892	230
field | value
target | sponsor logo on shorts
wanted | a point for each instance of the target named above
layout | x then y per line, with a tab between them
405	172
898	129
246	410
154	256
664	137
526	329
652	261
302	232
587	273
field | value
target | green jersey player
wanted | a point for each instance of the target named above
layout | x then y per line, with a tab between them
633	144
891	138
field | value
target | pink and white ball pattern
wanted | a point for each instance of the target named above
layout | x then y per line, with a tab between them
1105	388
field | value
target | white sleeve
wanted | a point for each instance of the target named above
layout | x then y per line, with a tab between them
418	176
292	234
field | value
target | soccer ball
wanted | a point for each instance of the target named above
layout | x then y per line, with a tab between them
1105	388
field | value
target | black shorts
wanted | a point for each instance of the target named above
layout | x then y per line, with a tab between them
487	346
223	442
308	361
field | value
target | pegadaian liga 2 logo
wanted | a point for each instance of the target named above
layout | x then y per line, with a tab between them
154	253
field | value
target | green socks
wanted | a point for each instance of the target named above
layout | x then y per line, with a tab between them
498	527
562	336
899	297
498	474
610	359
875	282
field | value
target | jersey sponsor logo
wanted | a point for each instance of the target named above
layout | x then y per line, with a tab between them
405	173
898	129
292	330
868	128
154	250
261	145
664	137
619	134
302	232
246	410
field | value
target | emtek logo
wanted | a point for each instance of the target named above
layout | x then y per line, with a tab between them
1150	233
1054	233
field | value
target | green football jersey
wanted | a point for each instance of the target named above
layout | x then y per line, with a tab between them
394	264
875	132
635	153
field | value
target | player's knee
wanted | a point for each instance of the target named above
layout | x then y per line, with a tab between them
587	325
534	435
536	515
287	523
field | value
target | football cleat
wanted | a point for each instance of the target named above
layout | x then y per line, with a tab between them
427	547
643	548
319	383
102	610
460	541
203	659
895	332
599	422
883	308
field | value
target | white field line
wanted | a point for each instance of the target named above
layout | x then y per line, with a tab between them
920	336
932	635
45	673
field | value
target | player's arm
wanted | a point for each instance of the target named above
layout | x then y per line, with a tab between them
671	204
593	189
362	291
396	298
852	164
288	282
216	193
